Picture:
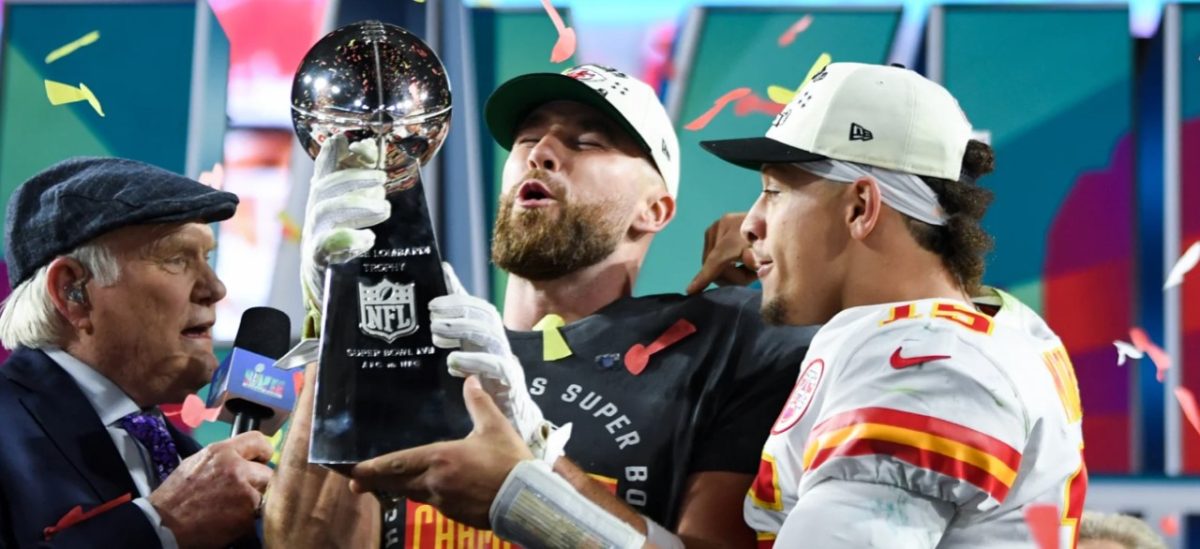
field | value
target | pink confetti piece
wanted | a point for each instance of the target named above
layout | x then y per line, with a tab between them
564	48
1169	525
733	95
753	103
1043	524
193	412
1187	401
214	178
798	27
1159	357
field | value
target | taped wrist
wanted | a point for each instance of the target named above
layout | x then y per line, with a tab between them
537	509
661	537
548	443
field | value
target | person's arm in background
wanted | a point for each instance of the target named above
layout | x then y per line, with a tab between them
726	258
312	506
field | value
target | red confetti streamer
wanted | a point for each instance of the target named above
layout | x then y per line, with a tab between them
733	95
564	48
798	27
753	103
1042	519
76	515
1142	342
298	381
638	355
1187	401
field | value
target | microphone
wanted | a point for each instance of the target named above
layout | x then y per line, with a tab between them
252	392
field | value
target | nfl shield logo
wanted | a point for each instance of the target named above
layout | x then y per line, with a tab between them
387	310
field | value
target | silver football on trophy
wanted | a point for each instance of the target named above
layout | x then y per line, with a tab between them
371	80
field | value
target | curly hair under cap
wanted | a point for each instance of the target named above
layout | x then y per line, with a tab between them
961	242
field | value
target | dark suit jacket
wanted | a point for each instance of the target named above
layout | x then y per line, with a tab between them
56	454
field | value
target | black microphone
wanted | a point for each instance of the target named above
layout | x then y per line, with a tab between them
254	394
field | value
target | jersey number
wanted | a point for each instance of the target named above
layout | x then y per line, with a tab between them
1059	364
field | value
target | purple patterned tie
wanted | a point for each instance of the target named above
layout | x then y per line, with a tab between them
150	430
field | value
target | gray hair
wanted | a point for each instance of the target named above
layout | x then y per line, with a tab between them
1124	529
28	317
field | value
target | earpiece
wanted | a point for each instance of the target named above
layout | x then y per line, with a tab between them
77	294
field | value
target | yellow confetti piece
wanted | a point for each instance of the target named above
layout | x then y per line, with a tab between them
61	94
277	443
780	94
554	347
783	96
69	48
291	229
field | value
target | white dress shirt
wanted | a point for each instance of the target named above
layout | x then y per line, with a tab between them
112	404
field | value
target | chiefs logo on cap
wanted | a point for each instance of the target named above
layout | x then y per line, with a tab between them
802	396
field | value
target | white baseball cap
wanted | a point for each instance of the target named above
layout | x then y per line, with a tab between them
884	116
627	100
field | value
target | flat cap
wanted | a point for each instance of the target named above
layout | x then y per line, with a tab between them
78	199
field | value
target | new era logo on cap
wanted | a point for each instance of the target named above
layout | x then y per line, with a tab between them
859	133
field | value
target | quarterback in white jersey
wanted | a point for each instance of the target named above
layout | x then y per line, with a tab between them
922	417
978	413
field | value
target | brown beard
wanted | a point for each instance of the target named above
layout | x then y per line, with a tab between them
538	245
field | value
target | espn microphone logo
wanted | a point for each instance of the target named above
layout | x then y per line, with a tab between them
387	310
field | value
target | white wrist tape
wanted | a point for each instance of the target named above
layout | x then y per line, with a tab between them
661	537
537	509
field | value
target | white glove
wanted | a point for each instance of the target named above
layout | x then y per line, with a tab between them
461	321
346	197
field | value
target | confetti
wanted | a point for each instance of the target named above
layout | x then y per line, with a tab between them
194	412
798	27
277	446
1126	350
69	48
77	515
291	229
1159	357
1169	525
554	347
783	96
564	48
298	381
780	94
1186	263
61	94
214	178
753	103
1043	524
1187	401
638	356
700	122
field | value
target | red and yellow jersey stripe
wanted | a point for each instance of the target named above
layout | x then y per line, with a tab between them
925	441
764	492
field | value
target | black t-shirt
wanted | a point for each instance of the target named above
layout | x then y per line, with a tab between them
705	402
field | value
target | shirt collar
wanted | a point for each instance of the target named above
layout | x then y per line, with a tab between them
110	402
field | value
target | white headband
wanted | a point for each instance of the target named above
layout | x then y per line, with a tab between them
904	192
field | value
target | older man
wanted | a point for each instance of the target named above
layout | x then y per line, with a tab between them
111	314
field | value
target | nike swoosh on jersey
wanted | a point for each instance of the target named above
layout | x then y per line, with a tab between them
902	362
